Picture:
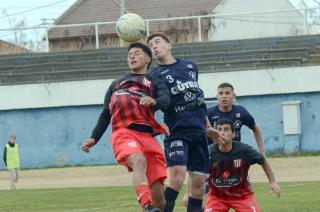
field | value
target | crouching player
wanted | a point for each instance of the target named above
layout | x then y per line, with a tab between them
229	166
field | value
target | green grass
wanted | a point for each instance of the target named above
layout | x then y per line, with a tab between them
299	197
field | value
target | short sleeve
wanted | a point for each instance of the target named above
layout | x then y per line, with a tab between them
253	155
248	119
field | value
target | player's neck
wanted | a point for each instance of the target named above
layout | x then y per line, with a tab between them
226	148
168	60
139	71
225	109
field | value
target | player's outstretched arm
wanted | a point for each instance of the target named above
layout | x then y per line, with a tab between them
87	144
273	185
259	140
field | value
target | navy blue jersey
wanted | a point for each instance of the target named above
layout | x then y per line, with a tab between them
238	114
187	99
229	170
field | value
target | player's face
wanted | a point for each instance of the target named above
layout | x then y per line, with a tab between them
226	131
225	96
138	60
159	47
12	140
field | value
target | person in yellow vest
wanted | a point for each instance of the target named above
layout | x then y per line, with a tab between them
12	160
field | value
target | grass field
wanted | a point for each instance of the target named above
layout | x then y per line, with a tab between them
297	197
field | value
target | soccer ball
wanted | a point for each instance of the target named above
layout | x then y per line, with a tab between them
130	27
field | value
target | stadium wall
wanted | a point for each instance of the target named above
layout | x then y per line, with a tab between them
51	135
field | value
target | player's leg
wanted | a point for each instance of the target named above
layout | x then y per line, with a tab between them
156	169
129	153
12	177
137	163
176	152
187	194
157	194
198	169
206	190
247	204
17	175
176	175
197	187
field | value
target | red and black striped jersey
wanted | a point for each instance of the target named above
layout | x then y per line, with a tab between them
122	104
229	170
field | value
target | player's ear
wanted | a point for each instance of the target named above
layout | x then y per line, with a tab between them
233	134
148	59
169	46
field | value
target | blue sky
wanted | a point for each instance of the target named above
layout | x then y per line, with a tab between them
32	11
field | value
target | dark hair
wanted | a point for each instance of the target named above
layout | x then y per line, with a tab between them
158	34
144	48
225	85
227	121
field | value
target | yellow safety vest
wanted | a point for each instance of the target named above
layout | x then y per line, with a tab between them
13	160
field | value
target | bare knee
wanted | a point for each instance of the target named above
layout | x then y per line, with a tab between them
176	177
197	186
137	162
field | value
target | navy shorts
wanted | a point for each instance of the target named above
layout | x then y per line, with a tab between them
188	147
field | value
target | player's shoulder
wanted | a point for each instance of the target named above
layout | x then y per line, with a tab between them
189	63
241	146
239	108
213	109
155	71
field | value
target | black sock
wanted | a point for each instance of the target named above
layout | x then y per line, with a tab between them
194	205
170	196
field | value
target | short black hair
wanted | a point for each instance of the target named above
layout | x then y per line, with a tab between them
144	48
225	85
227	121
158	34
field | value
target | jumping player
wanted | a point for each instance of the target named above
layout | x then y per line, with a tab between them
129	105
186	149
229	166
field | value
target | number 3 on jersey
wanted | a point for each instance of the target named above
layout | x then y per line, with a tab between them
169	78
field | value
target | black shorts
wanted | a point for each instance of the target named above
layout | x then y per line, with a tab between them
189	147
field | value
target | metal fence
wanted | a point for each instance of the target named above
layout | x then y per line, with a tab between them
180	29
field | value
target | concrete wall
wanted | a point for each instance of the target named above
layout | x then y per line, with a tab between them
53	136
239	19
52	120
267	111
80	93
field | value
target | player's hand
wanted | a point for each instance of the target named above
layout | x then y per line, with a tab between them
216	136
147	101
275	188
166	128
87	144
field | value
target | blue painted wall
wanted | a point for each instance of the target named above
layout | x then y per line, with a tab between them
267	111
53	136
